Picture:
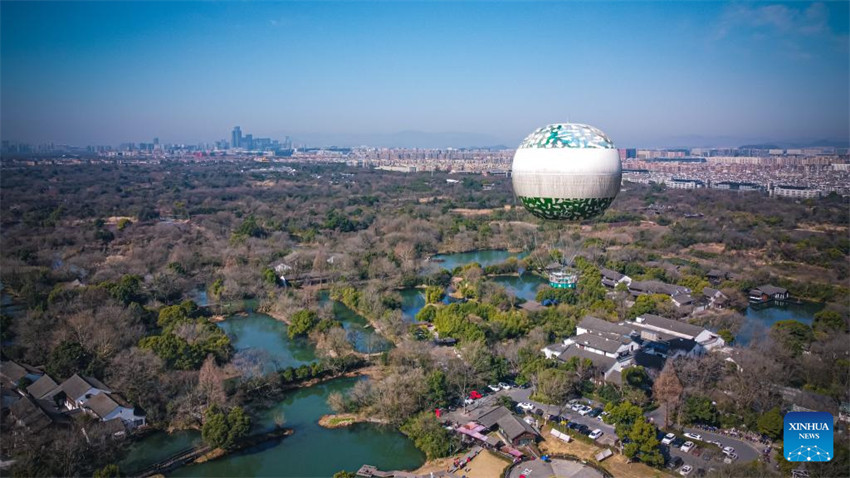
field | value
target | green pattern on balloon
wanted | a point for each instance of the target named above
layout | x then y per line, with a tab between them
565	208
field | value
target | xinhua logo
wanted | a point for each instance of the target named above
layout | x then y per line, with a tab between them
808	436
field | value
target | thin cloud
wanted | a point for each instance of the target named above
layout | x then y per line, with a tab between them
776	19
783	24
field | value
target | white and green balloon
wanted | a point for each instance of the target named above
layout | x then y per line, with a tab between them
566	171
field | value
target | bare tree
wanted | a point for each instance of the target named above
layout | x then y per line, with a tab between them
667	389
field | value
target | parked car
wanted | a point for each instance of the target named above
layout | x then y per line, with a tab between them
494	388
693	436
504	386
468	401
715	442
574	426
584	430
668	439
686	470
595	434
677	442
538	411
528	420
688	446
602	416
733	456
525	406
576	407
584	410
675	462
595	412
728	449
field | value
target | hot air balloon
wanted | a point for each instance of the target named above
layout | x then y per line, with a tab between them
566	171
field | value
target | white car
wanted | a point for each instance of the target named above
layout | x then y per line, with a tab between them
720	445
687	446
693	436
504	386
576	407
585	410
595	434
686	470
528	420
728	450
525	406
468	401
494	388
602	416
668	439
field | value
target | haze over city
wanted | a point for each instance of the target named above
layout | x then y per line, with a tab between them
411	74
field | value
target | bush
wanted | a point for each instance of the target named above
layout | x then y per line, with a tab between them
428	435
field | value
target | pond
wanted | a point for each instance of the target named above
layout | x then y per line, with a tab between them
412	301
313	450
267	339
759	318
524	286
485	258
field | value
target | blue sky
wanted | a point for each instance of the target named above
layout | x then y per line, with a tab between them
649	74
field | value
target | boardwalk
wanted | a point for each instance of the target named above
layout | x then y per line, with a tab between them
174	461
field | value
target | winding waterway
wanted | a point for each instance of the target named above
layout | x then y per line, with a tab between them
313	450
484	258
267	339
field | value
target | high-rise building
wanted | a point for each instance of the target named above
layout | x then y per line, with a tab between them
236	140
248	142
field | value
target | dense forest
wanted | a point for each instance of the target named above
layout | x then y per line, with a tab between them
107	262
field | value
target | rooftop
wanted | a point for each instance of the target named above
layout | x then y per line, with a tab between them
651	320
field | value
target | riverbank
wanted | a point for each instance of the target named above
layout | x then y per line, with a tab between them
342	420
203	453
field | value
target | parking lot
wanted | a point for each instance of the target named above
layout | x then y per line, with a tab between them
700	458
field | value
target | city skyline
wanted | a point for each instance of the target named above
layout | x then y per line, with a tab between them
408	74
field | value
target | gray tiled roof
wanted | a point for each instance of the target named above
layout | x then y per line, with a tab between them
514	427
669	324
490	416
76	386
101	404
604	328
42	387
596	342
601	362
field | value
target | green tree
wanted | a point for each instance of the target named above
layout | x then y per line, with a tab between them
829	321
700	409
623	416
636	377
215	430
108	471
269	276
644	443
302	323
428	435
647	304
793	335
239	424
434	294
345	474
726	335
771	423
437	389
67	359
